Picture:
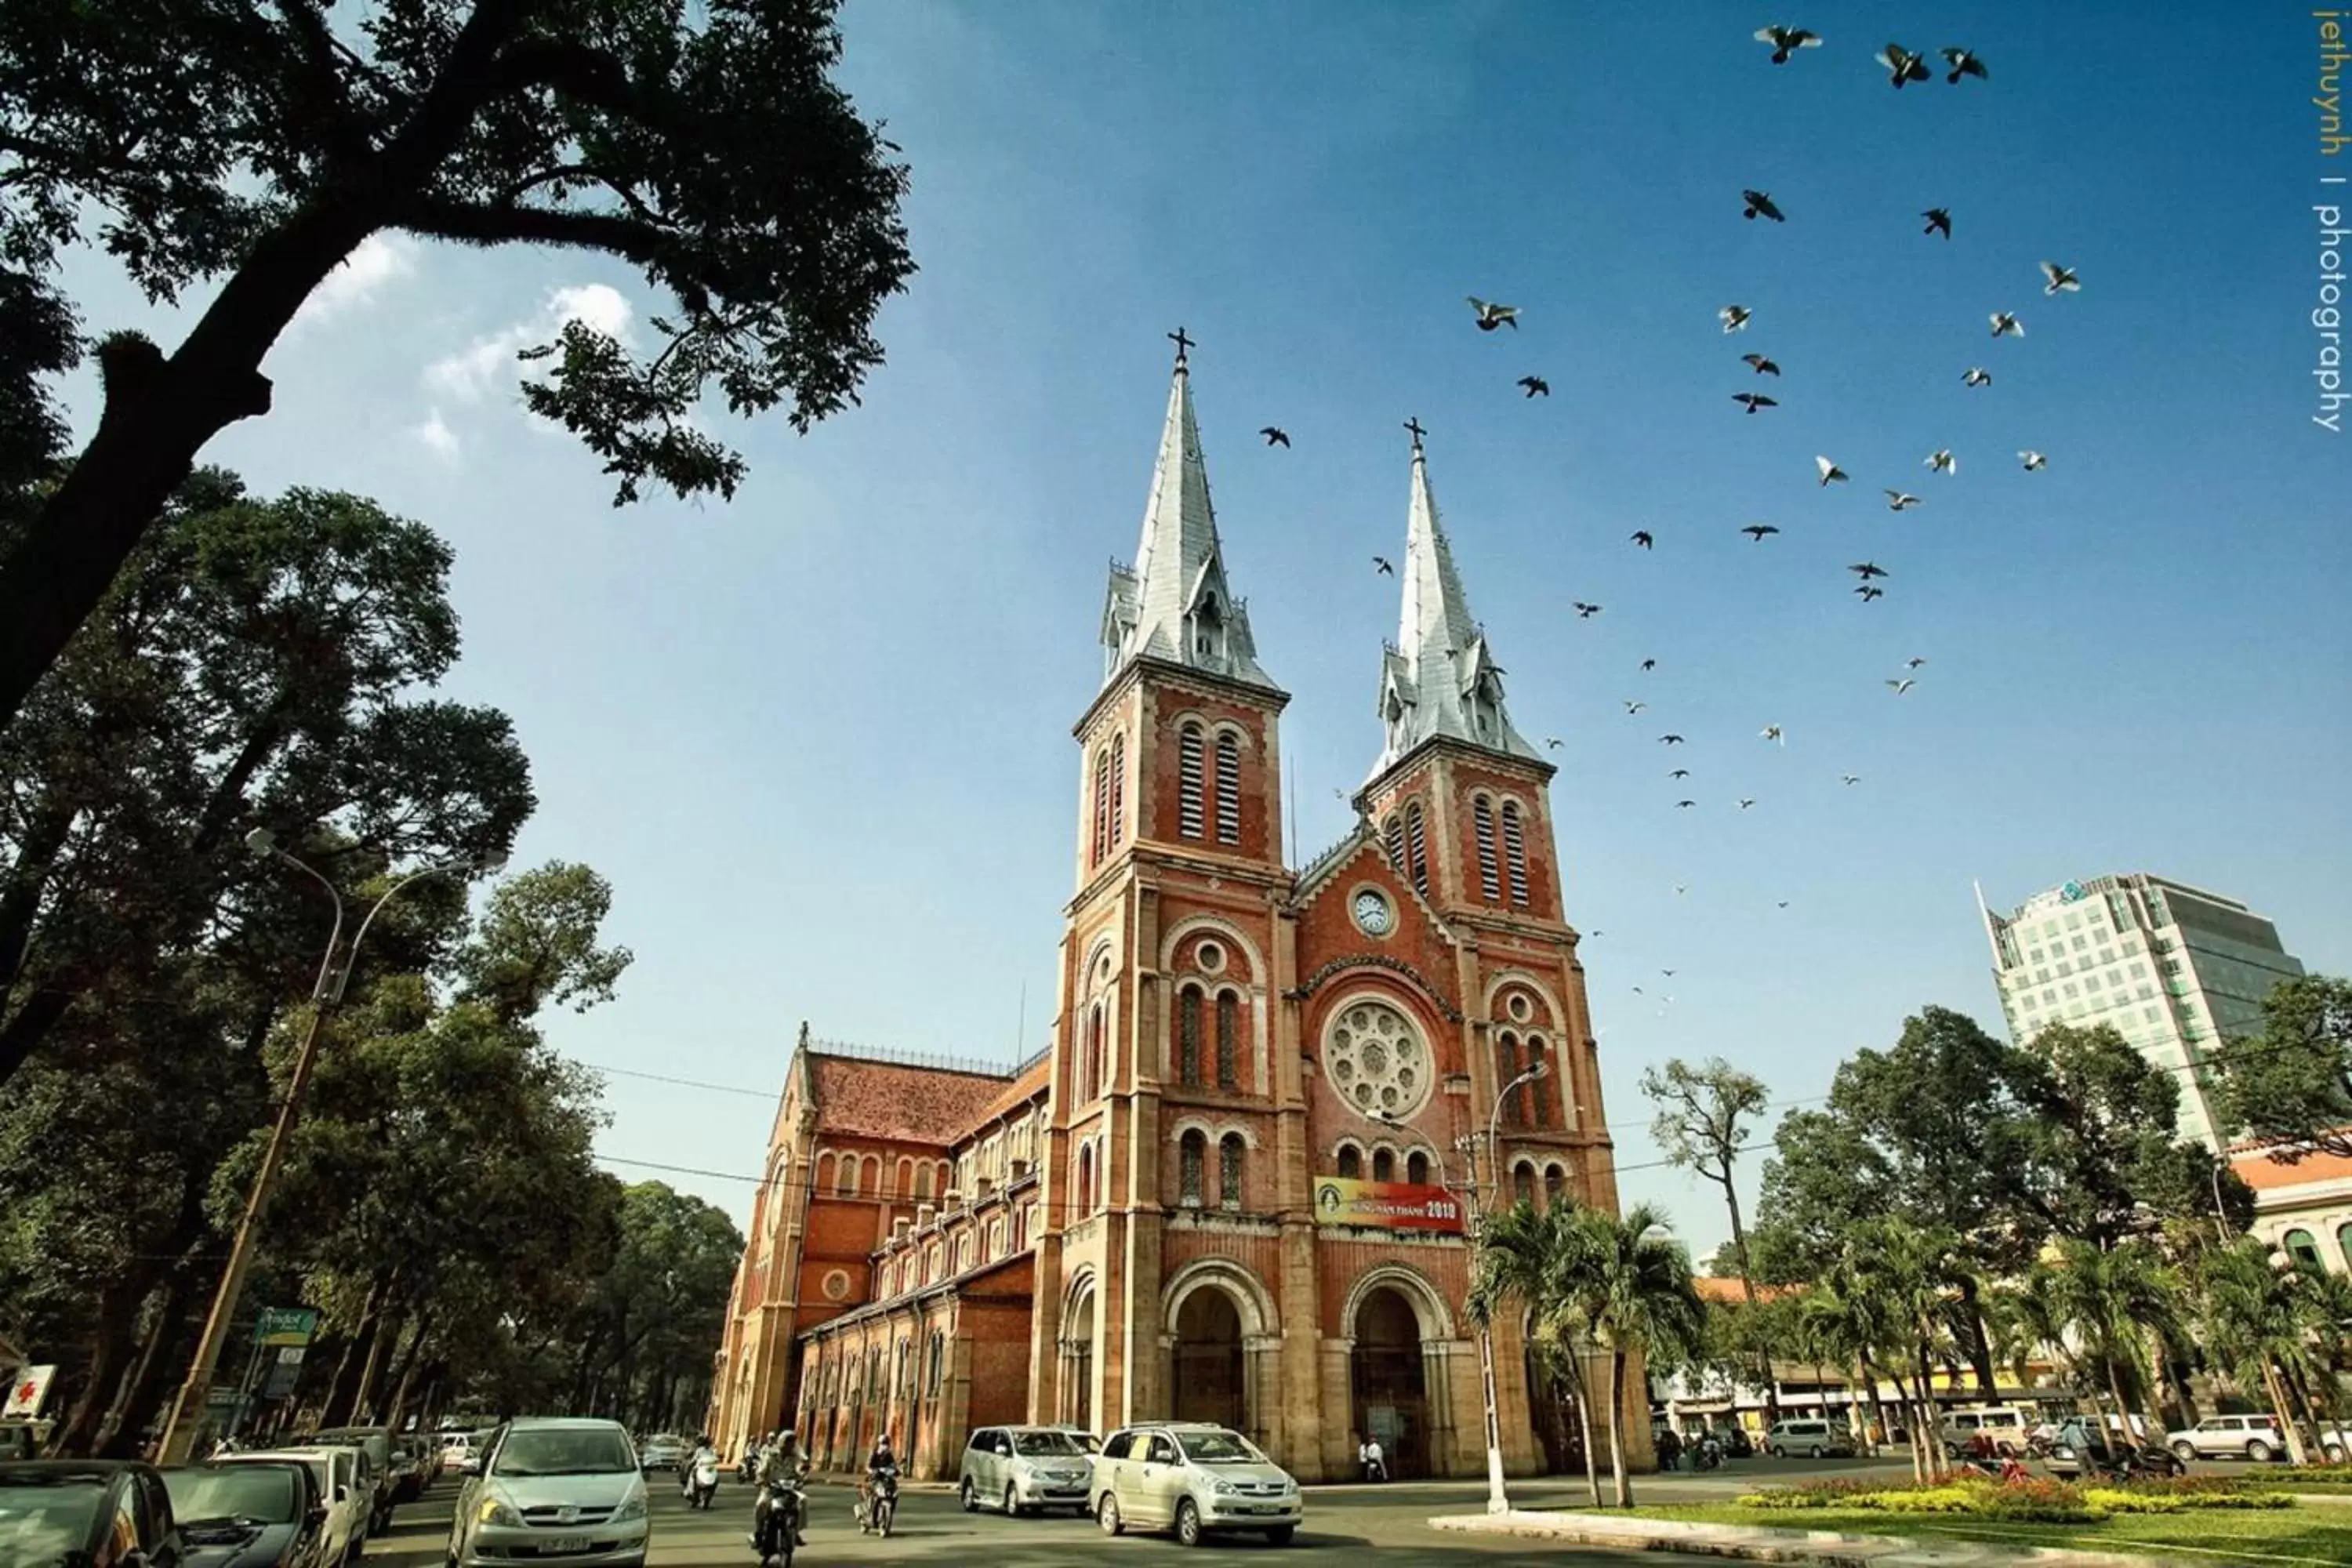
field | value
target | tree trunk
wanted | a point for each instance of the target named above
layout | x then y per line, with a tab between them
411	1359
112	1333
1624	1485
1584	1419
387	1335
2289	1426
150	1385
1975	1344
2122	1406
339	1392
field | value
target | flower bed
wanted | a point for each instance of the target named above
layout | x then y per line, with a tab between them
2033	1502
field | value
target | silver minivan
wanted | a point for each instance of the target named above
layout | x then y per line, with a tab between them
1021	1468
1814	1438
1193	1477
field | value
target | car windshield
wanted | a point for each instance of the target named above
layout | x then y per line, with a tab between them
1221	1449
262	1492
46	1523
1043	1443
565	1451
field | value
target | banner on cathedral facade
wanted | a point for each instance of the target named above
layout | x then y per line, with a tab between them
1387	1206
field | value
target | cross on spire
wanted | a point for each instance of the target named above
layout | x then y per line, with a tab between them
1182	345
1413	425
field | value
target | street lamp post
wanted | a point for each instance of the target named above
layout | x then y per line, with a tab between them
325	996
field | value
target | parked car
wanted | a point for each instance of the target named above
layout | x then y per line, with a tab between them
1810	1435
2255	1437
2006	1424
339	1476
86	1511
1017	1468
553	1487
1084	1438
266	1514
661	1452
1191	1478
376	1443
1734	1440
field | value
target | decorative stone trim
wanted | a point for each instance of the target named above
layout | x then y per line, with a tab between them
1338	967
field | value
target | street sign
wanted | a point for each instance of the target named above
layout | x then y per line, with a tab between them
284	1373
30	1387
286	1326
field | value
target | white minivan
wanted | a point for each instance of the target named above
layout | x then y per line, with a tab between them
1812	1436
2005	1424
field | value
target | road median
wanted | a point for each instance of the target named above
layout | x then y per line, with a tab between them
1760	1543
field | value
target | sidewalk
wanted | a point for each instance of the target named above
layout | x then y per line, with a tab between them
1754	1543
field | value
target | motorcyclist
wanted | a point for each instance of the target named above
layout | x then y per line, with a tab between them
879	1460
782	1461
704	1455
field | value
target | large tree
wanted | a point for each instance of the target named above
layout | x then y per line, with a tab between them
1706	1116
254	147
2291	1085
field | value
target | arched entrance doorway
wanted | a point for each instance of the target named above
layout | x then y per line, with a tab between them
1552	1412
1207	1360
1392	1403
1078	1361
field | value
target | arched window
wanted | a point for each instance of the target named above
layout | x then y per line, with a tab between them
1191	1154
1189	821
1229	1043
938	1360
1229	1171
1506	1067
923	1180
1523	1183
1188	1037
1515	853
1117	789
1416	848
1555	1184
1351	1163
1090	1083
1536	1099
1394	831
1085	1178
1229	790
2344	1241
1102	805
846	1186
2300	1247
1384	1164
1482	822
1416	1168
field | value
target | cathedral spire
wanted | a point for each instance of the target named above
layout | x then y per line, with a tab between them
1440	679
1173	604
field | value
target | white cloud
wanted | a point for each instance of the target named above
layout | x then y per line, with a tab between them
438	438
476	370
378	260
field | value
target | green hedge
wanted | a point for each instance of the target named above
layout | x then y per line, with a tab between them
2034	1501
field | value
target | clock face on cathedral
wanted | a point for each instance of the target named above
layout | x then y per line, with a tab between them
1374	916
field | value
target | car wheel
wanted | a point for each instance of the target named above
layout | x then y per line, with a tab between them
1107	1515
965	1495
2333	1453
1776	1451
1012	1502
2259	1451
2184	1451
1280	1534
1188	1523
1815	1452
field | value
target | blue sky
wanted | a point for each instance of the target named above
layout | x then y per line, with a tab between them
819	738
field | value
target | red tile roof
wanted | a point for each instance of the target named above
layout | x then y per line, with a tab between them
1021	1090
1730	1289
2263	1171
910	1104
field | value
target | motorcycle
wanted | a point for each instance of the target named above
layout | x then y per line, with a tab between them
776	1522
1706	1455
2102	1462
877	1509
703	1484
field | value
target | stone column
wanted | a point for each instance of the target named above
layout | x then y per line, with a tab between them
1457	1445
1262	1412
1338	1403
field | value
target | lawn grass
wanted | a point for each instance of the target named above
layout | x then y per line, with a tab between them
2309	1533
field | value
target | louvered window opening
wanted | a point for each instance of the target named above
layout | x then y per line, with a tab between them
1188	1039
1188	821
1191	1155
1229	1171
1515	853
1396	843
1416	848
1118	788
1229	1044
1102	804
1229	790
1482	822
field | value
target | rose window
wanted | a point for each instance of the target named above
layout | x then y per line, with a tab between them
1376	1060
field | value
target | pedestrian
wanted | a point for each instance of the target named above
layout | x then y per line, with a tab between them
1670	1449
1376	1466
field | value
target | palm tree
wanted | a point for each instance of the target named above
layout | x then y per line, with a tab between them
2028	1319
1912	1277
1526	1257
1630	1290
1843	1324
2111	1299
2257	1322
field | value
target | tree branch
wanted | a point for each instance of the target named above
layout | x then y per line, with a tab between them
640	242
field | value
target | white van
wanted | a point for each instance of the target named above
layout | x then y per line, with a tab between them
2006	1424
1813	1437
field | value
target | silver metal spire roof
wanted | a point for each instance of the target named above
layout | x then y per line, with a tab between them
1440	679
1173	604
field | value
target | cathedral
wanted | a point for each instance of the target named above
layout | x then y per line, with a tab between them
1237	1184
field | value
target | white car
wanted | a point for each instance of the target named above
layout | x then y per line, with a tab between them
348	1501
1191	1478
547	1487
2255	1437
1017	1468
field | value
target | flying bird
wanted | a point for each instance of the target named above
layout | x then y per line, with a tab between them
1670	740
1381	562
1734	317
1637	991
1977	376
1771	733
1680	888
1275	436
1649	664
1667	973
1537	386
1902	65
1745	804
1941	461
1964	62
1899	500
1759	364
1869	593
2032	461
1914	662
1831	472
1585	612
1866	570
1643	537
1939	221
1760	202
1679	774
1631	707
1553	742
1850	778
1685	805
2061	279
2005	325
1781	905
1757	531
1901	685
1787	40
1493	316
1755	400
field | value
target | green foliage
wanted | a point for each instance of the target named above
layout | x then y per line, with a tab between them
2292	1084
2037	1501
